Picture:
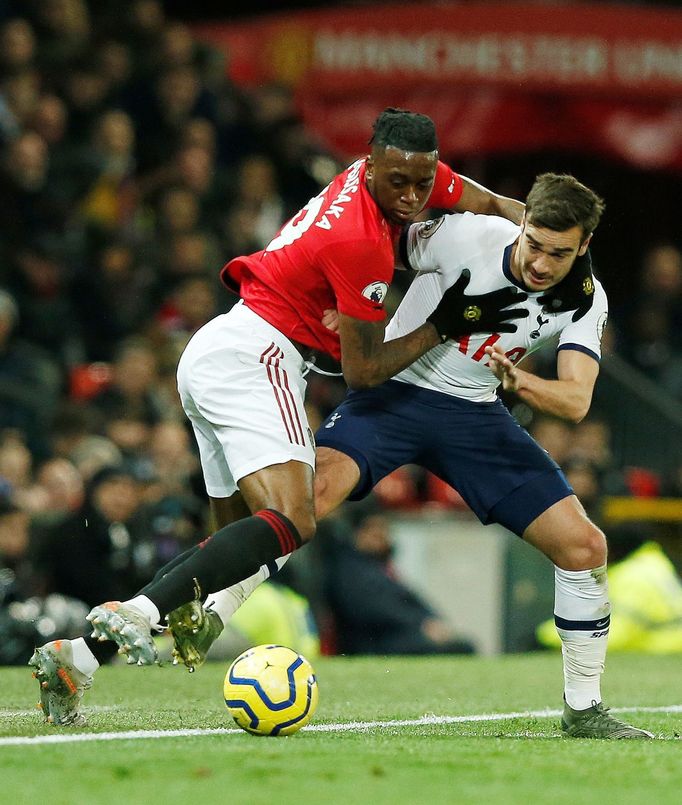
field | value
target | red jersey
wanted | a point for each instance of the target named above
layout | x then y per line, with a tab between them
337	252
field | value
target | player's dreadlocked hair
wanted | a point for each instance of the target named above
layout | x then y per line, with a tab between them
560	202
409	131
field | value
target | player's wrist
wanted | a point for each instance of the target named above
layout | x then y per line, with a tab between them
441	338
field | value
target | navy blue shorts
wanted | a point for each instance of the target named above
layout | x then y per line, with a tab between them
478	448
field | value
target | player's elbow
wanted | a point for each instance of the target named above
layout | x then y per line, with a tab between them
578	411
358	380
363	375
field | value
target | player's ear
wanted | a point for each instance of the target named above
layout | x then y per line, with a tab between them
369	167
584	245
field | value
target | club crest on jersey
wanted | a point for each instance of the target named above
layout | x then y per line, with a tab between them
429	227
375	292
536	333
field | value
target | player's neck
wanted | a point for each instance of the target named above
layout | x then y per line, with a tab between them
513	263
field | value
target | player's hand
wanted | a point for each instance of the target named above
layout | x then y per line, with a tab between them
503	368
458	314
574	292
330	319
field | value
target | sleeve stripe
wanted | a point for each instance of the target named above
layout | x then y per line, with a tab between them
580	348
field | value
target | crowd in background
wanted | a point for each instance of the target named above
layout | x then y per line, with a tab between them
131	169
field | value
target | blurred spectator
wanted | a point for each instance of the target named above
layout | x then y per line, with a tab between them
63	489
104	547
50	120
176	97
30	381
554	435
31	204
374	612
63	28
193	302
16	466
131	392
17	46
109	202
26	618
17	577
115	297
20	93
652	328
43	292
258	192
172	457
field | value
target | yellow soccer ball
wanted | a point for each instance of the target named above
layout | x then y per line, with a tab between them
271	690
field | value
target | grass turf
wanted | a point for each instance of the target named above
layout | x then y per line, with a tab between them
509	761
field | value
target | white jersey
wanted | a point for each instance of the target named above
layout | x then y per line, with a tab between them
440	250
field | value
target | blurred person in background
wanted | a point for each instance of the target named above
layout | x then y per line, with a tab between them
102	544
63	488
651	336
131	391
30	381
553	435
27	613
115	298
193	302
374	612
17	46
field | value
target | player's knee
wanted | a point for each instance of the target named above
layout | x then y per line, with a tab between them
585	550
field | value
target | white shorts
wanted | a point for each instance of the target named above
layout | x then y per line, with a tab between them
242	385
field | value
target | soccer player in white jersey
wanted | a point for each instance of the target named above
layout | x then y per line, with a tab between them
443	413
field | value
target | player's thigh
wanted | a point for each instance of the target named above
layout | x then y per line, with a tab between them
242	380
377	430
218	478
503	475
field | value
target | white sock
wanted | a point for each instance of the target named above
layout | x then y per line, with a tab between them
147	607
582	615
83	659
227	602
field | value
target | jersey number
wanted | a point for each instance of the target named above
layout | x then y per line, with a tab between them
514	355
296	226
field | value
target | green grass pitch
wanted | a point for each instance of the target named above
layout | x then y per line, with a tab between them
387	730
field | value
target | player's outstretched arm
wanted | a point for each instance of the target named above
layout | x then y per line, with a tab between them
567	397
368	360
478	199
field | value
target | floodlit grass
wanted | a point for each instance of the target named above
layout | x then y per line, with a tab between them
519	759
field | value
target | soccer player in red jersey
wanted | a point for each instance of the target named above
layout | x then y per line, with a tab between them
242	382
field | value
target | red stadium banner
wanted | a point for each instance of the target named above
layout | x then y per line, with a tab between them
494	76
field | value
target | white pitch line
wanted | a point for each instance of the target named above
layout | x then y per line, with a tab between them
360	726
